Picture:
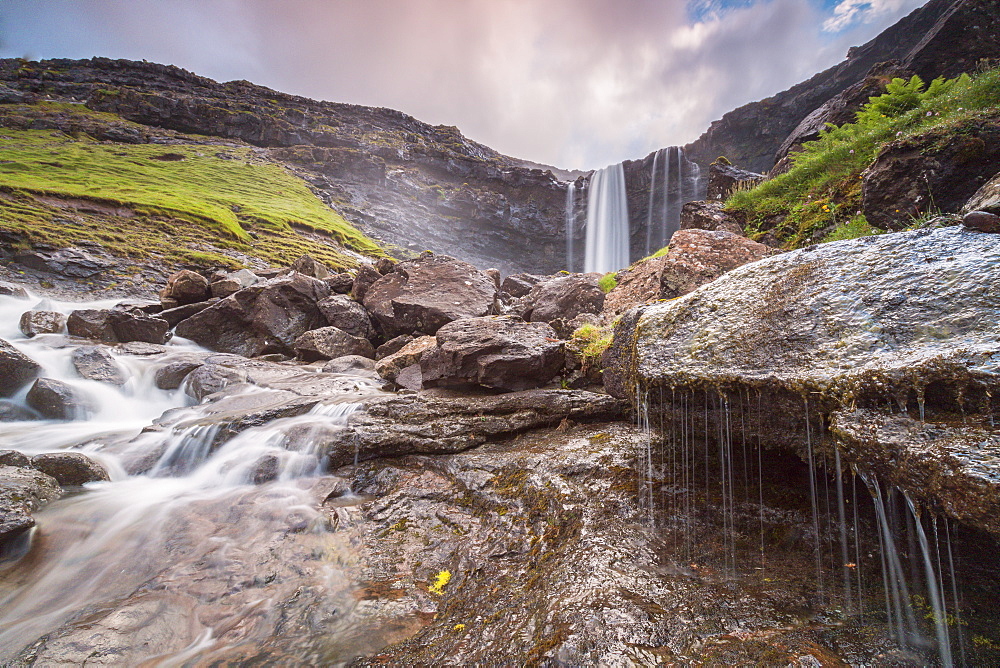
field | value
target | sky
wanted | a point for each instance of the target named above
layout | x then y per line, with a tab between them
578	84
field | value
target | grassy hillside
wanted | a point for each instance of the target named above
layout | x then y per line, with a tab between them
61	185
821	195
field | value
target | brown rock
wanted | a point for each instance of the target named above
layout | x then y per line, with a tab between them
563	297
184	287
327	343
423	294
41	322
170	376
982	221
232	282
708	215
95	363
340	284
94	324
392	346
344	313
724	179
520	285
389	367
57	400
70	468
16	369
366	276
310	267
384	265
500	352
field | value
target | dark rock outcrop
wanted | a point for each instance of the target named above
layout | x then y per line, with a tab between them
70	468
724	179
708	215
499	352
16	369
184	287
22	491
423	294
118	325
265	318
563	297
344	313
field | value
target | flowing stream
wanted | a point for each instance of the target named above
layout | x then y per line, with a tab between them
190	559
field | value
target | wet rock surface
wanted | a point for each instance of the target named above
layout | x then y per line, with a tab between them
70	468
22	491
57	400
563	297
184	287
327	343
95	363
33	323
16	369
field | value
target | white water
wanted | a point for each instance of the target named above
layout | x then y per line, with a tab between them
680	182
570	223
607	221
185	529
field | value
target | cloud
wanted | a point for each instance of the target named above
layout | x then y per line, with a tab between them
575	83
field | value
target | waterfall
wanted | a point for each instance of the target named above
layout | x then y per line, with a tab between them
681	183
607	221
570	223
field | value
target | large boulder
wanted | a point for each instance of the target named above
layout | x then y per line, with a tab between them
184	287
310	267
391	366
95	363
22	491
708	215
171	375
364	279
423	294
520	285
232	282
696	257
264	318
344	313
327	343
563	297
986	198
33	323
16	369
211	378
70	468
887	315
118	325
57	400
175	315
500	352
936	171
93	324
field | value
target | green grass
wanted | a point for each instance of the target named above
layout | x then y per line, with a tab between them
607	282
820	197
235	196
591	341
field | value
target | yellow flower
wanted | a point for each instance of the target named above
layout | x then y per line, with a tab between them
439	583
458	627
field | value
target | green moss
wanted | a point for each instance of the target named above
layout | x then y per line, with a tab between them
591	341
820	196
607	282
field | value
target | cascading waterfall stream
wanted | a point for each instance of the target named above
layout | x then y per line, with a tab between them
570	223
607	221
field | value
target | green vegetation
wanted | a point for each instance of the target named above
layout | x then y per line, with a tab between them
820	197
607	282
590	342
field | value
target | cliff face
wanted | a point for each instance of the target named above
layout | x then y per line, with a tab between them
409	184
942	38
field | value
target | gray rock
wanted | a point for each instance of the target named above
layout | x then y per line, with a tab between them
137	325
349	364
33	322
340	284
11	290
211	378
520	285
423	294
57	400
94	324
170	376
982	221
987	198
327	343
175	315
364	279
265	318
233	282
11	412
95	363
22	491
184	287
389	367
70	468
708	215
16	369
310	267
499	352
344	313
563	297
14	458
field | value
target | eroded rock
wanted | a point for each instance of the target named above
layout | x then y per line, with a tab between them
327	343
57	400
22	491
95	363
16	369
33	323
70	468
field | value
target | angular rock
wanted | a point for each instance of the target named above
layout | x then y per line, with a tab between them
11	290
265	318
384	265
340	284
982	221
184	287
70	468
94	324
708	215
57	400
232	282
696	257
41	322
423	294
495	275
398	425
724	179
364	279
175	315
327	343
882	315
137	325
211	378
986	198
344	313
563	297
95	363
310	267
499	352
11	412
16	369
14	458
170	376
349	364
389	367
392	346
22	491
520	285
